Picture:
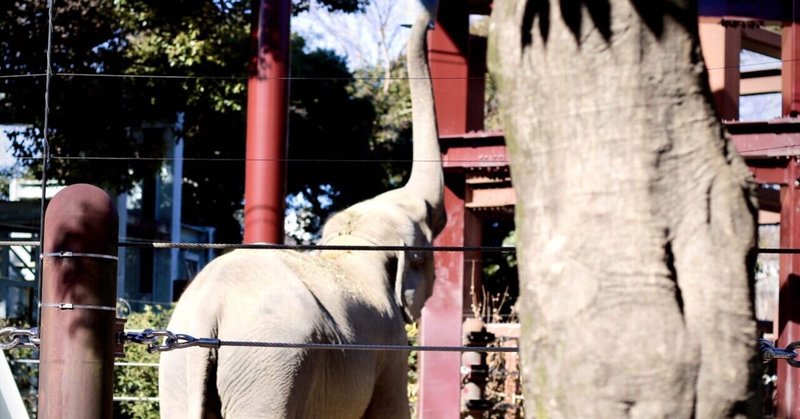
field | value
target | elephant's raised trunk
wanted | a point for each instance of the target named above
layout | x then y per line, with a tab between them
426	179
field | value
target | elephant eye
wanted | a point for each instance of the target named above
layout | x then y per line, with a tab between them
416	259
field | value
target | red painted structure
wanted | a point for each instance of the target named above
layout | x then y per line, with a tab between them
788	402
267	107
771	150
458	68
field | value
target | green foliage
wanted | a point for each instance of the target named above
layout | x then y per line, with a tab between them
491	108
500	279
203	47
363	121
391	128
87	114
140	381
412	331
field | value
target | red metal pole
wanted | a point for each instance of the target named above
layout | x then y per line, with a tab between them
440	375
789	294
788	404
77	344
721	48
790	71
458	89
267	104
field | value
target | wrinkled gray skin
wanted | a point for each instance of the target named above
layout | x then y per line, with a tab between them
327	297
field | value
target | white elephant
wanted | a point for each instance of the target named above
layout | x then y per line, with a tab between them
332	296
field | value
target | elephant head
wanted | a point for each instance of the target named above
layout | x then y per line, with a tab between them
413	214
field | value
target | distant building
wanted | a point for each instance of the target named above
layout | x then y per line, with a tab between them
149	212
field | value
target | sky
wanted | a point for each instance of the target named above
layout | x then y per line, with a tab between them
6	159
357	37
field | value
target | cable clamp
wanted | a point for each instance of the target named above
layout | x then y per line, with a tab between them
71	306
68	254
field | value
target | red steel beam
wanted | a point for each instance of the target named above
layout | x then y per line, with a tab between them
721	45
267	104
458	70
77	346
473	149
440	375
788	403
762	41
767	144
787	400
774	175
790	71
475	156
458	92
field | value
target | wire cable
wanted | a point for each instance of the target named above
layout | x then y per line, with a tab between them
231	246
45	152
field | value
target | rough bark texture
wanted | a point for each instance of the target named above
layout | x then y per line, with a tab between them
634	217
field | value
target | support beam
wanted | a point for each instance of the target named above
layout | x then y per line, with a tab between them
762	41
721	45
760	85
176	142
267	104
790	72
788	402
440	375
458	86
458	70
767	144
473	150
772	175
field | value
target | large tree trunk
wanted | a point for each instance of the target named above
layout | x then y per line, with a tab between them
635	223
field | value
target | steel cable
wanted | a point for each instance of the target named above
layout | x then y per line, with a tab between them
358	347
230	246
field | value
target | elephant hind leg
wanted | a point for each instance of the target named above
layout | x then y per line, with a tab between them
187	385
390	396
212	405
202	380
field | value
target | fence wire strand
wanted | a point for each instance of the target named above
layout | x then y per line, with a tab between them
231	246
357	347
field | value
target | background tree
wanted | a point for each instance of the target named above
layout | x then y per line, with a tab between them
188	57
371	37
382	114
635	224
84	42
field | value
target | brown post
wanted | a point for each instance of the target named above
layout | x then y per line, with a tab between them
78	299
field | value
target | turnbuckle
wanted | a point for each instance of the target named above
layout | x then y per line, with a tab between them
770	352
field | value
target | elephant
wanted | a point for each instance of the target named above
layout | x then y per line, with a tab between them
324	296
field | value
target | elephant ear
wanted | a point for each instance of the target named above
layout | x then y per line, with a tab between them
400	287
411	285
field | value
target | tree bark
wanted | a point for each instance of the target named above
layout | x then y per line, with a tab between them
634	215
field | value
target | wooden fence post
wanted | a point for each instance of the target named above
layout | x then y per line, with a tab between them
78	305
